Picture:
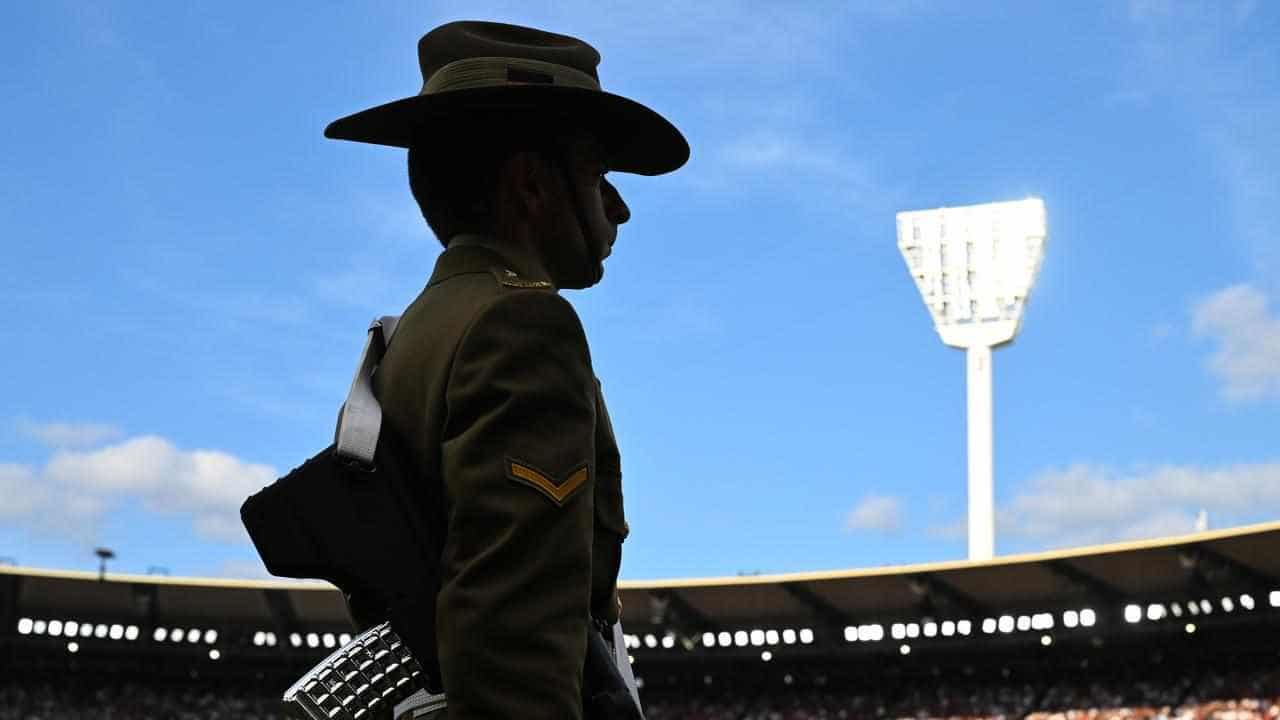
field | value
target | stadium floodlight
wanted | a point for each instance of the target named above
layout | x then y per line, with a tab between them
989	625
1191	628
668	641
708	639
210	637
930	629
789	635
214	654
71	628
1006	624
73	647
1275	598
948	628
1070	618
1132	613
86	629
850	633
116	632
1024	623
771	637
725	638
757	637
55	627
974	267
766	656
806	635
963	627
1227	604
1246	601
24	626
905	649
898	631
1088	617
1046	640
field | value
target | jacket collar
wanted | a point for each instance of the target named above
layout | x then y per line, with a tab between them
460	259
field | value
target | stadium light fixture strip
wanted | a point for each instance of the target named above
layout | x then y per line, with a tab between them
974	267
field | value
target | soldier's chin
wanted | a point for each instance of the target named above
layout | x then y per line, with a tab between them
588	279
579	276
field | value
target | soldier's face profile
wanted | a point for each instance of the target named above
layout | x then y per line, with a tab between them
582	218
602	205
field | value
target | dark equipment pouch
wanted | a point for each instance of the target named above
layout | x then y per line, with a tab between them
362	529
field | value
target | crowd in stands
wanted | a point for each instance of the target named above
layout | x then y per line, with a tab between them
112	698
1249	694
1172	691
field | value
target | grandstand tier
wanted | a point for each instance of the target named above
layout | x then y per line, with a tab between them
1200	583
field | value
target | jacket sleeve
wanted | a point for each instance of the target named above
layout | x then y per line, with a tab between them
517	465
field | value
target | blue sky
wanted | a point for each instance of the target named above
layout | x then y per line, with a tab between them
188	267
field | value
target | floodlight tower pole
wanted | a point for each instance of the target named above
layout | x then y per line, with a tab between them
974	267
982	533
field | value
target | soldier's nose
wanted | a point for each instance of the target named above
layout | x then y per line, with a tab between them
615	207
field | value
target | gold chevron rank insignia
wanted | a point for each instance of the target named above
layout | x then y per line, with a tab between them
556	490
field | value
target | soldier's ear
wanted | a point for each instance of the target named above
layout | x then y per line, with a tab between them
526	182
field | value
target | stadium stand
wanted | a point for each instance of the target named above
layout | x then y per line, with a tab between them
1184	627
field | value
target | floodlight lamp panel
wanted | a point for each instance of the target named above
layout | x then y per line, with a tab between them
974	266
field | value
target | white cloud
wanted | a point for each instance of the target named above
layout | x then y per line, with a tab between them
1085	504
1247	359
68	435
76	489
252	569
1207	59
876	513
20	495
820	172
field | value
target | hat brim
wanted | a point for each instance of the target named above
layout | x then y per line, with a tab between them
638	140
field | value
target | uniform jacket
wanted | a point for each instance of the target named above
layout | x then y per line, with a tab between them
489	383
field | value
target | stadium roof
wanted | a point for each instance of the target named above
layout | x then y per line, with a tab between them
1235	560
1188	567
